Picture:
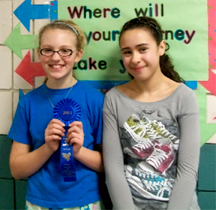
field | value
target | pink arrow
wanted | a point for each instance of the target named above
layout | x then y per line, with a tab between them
210	85
28	70
211	33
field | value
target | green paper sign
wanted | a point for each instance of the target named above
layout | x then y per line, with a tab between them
184	24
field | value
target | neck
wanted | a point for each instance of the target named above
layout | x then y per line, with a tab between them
58	84
150	85
144	91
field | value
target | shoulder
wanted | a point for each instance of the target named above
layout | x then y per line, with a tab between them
184	91
37	91
186	99
115	98
112	93
119	93
89	95
25	99
87	89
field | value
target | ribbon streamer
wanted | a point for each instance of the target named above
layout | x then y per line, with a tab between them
67	111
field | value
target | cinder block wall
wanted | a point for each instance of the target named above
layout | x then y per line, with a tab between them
12	192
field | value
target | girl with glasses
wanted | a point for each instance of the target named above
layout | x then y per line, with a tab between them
57	128
151	135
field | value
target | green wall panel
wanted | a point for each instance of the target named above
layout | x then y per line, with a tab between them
5	147
21	187
6	194
16	200
207	200
207	168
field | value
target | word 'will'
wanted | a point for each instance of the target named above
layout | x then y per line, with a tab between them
156	10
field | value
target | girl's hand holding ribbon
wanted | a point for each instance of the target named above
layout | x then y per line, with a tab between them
75	136
53	134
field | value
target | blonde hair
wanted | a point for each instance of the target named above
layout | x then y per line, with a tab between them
66	25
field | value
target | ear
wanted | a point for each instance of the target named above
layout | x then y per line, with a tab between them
78	56
162	47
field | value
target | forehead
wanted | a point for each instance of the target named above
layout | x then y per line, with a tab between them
58	36
136	36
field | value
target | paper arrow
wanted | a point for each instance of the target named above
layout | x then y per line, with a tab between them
26	11
53	10
28	70
211	33
210	85
17	42
207	130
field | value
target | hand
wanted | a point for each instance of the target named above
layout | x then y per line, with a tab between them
53	134
75	136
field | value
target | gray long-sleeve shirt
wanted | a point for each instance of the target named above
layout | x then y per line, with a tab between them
151	151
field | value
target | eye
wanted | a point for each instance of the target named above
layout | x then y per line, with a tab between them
126	52
65	51
143	49
47	50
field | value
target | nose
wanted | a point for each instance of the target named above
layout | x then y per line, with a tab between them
135	57
55	56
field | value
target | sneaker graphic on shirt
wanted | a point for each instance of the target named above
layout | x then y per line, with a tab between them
157	130
136	127
86	207
162	157
143	150
149	185
144	132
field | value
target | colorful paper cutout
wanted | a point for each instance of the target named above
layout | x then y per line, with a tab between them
28	70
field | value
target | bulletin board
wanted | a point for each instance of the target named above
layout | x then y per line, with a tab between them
189	27
102	24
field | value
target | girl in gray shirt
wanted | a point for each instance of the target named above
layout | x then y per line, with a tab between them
151	136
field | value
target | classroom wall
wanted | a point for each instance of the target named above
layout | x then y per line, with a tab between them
12	192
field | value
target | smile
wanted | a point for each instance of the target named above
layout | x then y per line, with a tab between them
56	66
137	69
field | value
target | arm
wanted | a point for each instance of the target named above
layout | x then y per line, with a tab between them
188	156
90	158
113	162
24	163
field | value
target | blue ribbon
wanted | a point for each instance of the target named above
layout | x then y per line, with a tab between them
67	110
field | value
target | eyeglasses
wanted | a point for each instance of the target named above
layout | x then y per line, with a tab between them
63	52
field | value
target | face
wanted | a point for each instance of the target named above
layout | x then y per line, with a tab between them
141	54
55	66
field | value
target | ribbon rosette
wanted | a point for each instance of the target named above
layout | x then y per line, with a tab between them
67	111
